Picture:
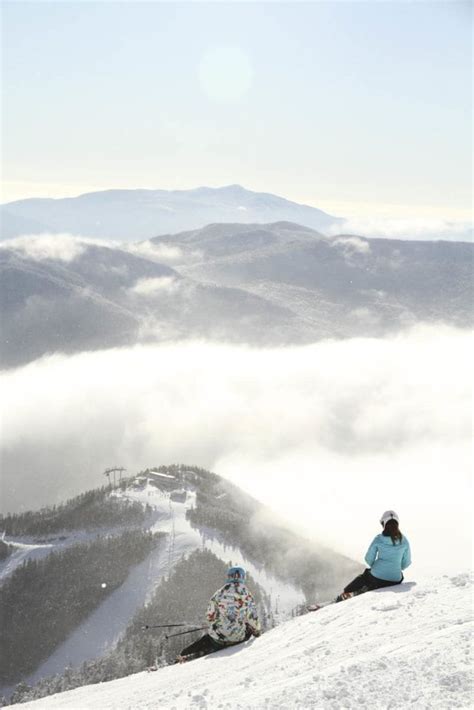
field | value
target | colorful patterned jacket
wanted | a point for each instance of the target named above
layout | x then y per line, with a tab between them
232	614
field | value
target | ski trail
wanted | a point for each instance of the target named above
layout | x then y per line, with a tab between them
26	548
23	551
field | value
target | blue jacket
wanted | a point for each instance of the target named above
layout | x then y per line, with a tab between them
386	560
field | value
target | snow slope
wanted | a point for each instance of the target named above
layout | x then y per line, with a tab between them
405	646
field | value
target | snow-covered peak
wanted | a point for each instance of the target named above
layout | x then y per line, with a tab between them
405	646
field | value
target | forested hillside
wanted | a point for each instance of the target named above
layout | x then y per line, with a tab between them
43	601
5	550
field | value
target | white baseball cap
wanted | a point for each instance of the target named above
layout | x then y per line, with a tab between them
389	515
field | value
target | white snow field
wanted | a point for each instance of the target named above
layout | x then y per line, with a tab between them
405	646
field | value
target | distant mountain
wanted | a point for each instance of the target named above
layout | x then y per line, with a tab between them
103	297
129	215
341	286
12	225
271	284
150	549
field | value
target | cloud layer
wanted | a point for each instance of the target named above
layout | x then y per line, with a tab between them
67	247
56	247
328	435
406	228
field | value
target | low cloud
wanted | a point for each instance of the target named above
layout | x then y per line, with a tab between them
157	285
41	247
329	435
163	253
353	244
55	247
407	228
67	247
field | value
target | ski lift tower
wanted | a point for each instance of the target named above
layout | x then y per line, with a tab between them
114	470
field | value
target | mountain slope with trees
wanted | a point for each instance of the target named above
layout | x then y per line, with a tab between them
192	523
92	509
263	284
342	286
44	600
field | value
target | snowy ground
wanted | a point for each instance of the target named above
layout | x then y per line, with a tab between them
406	646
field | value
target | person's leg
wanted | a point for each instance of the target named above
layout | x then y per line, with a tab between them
365	582
376	583
359	583
198	648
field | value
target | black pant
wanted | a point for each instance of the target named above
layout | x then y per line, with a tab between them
366	582
206	644
201	647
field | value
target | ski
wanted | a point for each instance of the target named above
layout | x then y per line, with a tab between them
342	597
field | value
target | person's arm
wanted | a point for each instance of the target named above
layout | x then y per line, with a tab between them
406	559
212	610
371	554
252	620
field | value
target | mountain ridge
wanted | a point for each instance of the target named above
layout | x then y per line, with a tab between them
263	284
130	215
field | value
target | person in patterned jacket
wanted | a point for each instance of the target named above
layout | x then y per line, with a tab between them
231	615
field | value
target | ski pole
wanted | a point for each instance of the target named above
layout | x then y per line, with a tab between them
162	626
180	633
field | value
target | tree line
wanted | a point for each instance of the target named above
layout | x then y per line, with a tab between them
92	509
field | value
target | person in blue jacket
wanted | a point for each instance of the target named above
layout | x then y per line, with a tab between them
388	555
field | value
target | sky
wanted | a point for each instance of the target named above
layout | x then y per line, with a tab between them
354	107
